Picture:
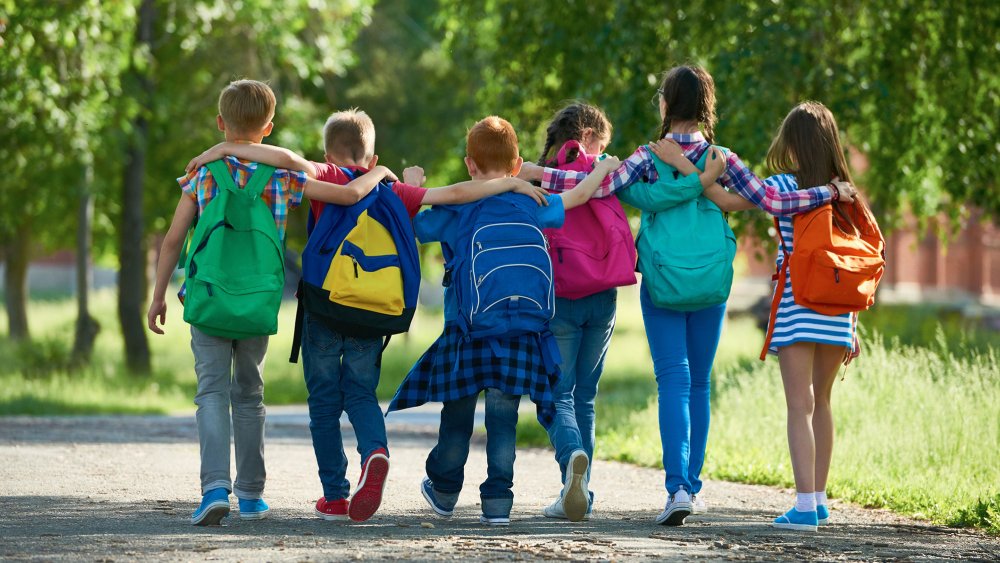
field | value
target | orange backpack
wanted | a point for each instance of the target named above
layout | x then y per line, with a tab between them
832	272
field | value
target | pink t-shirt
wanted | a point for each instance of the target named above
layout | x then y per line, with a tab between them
412	196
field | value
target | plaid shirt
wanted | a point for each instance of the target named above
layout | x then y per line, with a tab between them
453	368
282	194
737	177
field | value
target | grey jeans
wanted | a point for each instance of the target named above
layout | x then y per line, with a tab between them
230	373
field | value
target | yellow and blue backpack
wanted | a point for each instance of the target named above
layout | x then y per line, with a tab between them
360	268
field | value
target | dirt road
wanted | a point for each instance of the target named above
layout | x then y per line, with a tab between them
122	489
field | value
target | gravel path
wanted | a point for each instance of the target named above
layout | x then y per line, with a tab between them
122	489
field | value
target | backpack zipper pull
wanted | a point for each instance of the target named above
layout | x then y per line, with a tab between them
836	275
559	252
208	286
355	260
479	244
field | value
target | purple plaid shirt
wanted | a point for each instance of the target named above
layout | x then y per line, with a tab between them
737	177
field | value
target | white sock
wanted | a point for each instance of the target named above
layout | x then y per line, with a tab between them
805	502
821	498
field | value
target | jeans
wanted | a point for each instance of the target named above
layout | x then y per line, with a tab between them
582	328
683	346
230	374
340	376
446	463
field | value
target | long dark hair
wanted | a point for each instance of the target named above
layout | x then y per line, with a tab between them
808	146
568	124
689	92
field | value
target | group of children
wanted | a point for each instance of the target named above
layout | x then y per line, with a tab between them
557	363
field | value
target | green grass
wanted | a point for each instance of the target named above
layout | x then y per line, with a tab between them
918	423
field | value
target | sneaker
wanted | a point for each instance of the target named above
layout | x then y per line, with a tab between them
332	509
427	489
214	507
494	520
677	509
798	521
822	514
368	496
255	509
698	505
555	510
575	498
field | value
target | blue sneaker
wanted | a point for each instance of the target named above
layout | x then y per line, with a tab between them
255	509
214	507
822	514
427	489
798	521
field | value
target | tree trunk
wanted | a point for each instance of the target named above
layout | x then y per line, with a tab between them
86	326
16	253
131	252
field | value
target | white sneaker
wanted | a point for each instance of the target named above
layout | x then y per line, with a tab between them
555	510
677	509
575	498
494	520
698	505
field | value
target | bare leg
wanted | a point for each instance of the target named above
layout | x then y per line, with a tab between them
796	362
826	363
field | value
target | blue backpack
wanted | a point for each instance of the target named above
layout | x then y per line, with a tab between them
500	268
360	268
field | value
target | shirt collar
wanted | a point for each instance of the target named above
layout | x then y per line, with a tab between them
686	138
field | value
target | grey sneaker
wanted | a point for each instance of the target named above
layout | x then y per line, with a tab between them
575	498
677	509
494	520
698	505
555	510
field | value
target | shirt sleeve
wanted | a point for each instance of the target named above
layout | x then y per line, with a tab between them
189	182
767	197
431	224
551	216
636	168
331	173
295	182
412	196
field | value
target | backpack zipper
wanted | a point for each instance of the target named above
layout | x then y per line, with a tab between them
355	260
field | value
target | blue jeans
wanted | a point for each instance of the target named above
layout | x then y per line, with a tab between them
582	328
340	376
683	346
446	462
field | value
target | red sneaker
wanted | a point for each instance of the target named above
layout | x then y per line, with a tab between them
368	496
332	509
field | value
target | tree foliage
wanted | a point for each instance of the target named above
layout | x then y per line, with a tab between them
911	82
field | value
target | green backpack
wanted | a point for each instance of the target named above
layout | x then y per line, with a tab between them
685	245
235	267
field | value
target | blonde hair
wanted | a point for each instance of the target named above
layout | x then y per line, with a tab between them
350	133
246	106
492	145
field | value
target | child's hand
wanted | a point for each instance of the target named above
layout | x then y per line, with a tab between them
158	308
534	192
715	163
607	165
214	153
847	192
386	173
414	176
668	151
531	171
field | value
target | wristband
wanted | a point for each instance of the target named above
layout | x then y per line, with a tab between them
836	192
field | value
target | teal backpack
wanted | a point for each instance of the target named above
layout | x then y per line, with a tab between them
235	266
685	245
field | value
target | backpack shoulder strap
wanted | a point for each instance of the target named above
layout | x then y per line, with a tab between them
223	176
261	176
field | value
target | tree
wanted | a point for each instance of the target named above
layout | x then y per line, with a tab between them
910	82
65	60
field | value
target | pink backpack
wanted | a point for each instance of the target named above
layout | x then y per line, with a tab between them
594	250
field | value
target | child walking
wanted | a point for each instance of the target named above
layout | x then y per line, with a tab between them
458	366
230	370
341	371
595	239
683	342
